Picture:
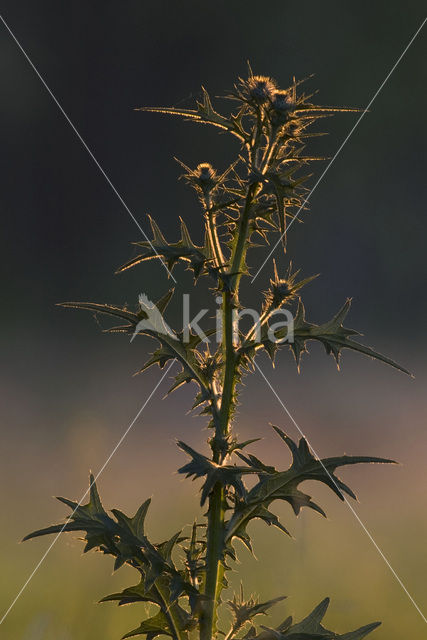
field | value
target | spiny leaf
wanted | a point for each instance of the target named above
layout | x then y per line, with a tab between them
276	485
311	627
135	525
234	446
201	466
91	518
138	593
108	309
183	250
151	627
204	114
172	619
172	346
125	539
175	621
334	336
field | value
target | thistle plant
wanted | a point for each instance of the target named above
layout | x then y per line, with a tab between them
252	201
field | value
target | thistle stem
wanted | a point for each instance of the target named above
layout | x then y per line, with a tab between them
216	512
241	245
215	543
229	362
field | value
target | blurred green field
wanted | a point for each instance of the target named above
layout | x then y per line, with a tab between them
331	557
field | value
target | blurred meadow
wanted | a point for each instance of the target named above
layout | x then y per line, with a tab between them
67	389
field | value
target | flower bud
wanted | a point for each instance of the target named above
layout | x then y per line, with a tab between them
259	89
281	291
282	105
283	101
205	173
204	178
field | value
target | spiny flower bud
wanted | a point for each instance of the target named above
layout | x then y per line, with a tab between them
283	101
283	290
282	105
259	89
205	178
280	292
205	173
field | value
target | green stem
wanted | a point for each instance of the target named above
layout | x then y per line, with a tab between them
229	301
216	512
214	571
229	357
240	249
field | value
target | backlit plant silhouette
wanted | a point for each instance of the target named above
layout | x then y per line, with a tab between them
254	199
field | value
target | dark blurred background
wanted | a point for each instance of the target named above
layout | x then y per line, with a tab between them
68	391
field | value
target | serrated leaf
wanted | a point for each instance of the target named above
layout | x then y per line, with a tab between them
152	627
334	337
205	114
283	485
172	346
91	518
311	627
135	524
138	593
184	250
200	466
235	446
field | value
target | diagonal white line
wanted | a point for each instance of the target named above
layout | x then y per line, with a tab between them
54	541
345	499
42	80
120	441
340	148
